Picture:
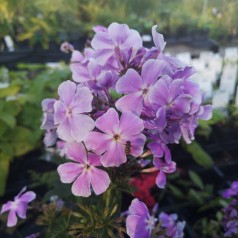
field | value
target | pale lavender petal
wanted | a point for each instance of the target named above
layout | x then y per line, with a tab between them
158	39
136	227
77	152
129	83
160	120
81	125
64	131
21	209
175	87
118	33
182	103
160	93
27	197
108	122
81	186
132	102
151	70
138	208
6	207
60	112
207	112
76	56
68	172
102	41
12	218
83	100
114	156
130	124
99	28
137	144
160	179
133	40
104	55
98	142
66	91
94	68
94	160
100	180
50	138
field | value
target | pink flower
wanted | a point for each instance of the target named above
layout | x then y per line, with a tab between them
74	100
83	171
116	136
18	207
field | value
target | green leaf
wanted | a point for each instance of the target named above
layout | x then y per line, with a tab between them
196	179
199	155
4	168
177	192
8	119
9	91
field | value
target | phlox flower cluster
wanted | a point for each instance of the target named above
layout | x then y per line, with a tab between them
230	212
123	100
141	224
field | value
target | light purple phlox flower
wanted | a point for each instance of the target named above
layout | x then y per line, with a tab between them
18	207
117	133
83	171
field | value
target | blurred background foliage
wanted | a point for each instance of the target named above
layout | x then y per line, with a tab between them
41	21
21	112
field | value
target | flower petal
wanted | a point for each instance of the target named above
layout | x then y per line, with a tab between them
138	208
64	131
129	83
83	100
132	102
81	125
94	160
100	180
137	144
27	197
21	209
68	172
6	207
81	186
60	112
160	179
98	142
66	91
118	33
114	156
151	70
102	41
130	124
108	122
136	227
12	218
158	39
76	151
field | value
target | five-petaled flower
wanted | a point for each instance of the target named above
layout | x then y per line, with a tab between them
18	207
116	134
83	171
73	124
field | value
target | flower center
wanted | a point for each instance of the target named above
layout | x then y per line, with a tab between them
87	167
116	137
151	223
68	112
145	91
